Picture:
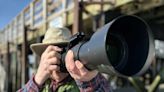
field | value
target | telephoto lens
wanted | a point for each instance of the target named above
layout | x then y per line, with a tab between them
122	47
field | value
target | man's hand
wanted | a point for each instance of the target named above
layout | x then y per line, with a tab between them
48	66
77	70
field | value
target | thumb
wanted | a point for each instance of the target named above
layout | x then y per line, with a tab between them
69	61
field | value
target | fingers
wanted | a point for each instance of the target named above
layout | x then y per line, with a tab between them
53	54
74	65
49	50
53	61
81	68
51	58
53	68
49	63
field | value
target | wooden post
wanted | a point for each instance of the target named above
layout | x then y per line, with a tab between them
65	20
45	13
78	22
8	74
24	57
32	14
102	17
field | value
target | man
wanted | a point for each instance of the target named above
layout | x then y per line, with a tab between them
49	78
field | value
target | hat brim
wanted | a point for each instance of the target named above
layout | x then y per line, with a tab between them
39	48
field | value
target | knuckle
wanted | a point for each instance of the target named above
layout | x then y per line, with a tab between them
56	67
51	54
50	46
54	53
56	47
55	59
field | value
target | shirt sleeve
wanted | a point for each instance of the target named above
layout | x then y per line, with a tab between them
31	86
97	84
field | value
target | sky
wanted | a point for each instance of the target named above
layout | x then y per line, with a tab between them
9	9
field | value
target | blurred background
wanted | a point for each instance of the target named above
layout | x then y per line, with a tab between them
33	17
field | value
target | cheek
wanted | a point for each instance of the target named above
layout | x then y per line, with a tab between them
55	75
58	76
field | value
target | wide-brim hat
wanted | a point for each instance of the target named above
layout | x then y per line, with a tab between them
53	36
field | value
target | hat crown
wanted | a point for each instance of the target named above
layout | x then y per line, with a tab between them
56	35
53	36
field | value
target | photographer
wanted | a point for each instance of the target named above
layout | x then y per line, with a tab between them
49	78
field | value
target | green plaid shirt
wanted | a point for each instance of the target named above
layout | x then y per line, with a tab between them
97	84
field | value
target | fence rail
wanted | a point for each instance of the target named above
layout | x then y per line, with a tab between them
42	13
